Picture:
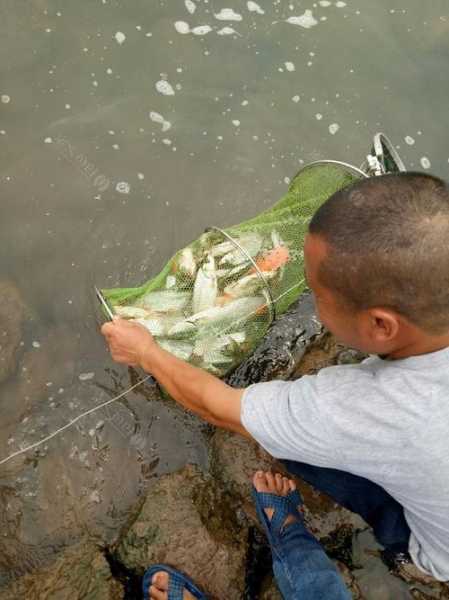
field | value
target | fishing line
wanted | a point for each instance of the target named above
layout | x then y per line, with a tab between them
84	414
111	400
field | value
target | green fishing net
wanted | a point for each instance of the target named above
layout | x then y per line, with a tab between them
215	299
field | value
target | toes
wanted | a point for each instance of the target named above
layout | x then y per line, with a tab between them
279	483
260	482
271	485
156	594
160	580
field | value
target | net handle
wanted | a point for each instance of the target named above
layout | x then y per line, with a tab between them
267	290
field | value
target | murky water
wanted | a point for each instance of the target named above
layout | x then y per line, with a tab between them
125	130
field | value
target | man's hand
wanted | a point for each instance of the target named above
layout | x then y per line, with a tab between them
128	342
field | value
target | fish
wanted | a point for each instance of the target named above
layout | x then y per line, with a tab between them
205	290
218	344
170	282
130	312
180	349
273	260
164	301
251	242
220	316
186	262
159	326
222	248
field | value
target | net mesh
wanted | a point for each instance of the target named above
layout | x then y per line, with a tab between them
215	299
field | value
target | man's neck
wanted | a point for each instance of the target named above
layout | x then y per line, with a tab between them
423	344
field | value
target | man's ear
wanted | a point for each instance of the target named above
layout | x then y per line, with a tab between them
384	324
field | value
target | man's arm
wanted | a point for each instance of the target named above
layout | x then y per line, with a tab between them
196	390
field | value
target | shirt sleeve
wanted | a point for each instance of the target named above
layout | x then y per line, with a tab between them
302	420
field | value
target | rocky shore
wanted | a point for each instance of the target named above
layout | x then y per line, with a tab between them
87	526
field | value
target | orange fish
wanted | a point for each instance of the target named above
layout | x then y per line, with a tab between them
274	260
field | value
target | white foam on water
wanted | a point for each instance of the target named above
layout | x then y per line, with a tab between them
236	123
164	88
190	6
227	31
245	103
140	176
86	376
5	98
120	37
123	187
409	140
48	140
202	30
167	141
296	99
289	66
254	7
318	116
325	3
334	128
158	118
425	162
306	20
227	14
182	27
340	4
36	344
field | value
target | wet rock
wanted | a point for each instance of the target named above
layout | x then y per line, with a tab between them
12	315
80	572
174	527
283	346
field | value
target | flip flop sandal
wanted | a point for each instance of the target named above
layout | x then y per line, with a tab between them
283	506
177	583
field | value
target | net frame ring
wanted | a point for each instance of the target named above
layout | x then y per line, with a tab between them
384	158
338	163
266	289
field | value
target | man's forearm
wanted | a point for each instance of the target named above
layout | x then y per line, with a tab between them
197	390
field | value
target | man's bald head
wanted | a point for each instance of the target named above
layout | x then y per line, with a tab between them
388	240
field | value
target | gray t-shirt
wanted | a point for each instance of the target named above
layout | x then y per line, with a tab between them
384	420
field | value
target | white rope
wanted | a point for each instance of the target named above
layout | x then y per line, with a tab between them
61	429
92	410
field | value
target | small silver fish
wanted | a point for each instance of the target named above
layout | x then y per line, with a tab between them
130	312
221	316
251	242
159	326
205	289
165	301
250	284
182	350
186	262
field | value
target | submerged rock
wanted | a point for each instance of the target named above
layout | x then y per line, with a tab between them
80	572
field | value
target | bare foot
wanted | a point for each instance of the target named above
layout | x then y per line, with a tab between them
159	587
274	484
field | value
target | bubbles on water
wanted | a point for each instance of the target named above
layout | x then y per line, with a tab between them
5	98
289	66
86	376
318	116
306	20
409	140
202	30
120	37
325	3
340	4
182	27
425	162
36	344
334	128
190	6
158	118
227	31
227	14
296	99
48	140
164	88
254	7
123	187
